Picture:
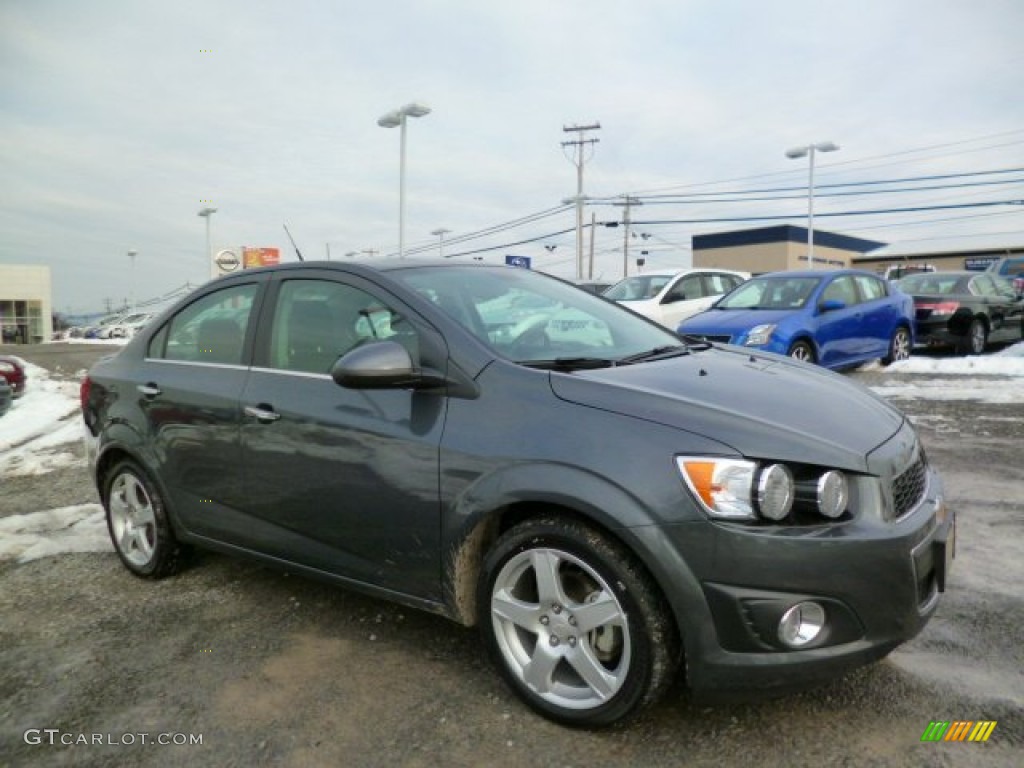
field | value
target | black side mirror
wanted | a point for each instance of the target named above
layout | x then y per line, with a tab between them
382	365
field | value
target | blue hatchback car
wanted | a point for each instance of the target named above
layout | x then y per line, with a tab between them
837	318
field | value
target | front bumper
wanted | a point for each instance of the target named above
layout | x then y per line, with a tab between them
877	580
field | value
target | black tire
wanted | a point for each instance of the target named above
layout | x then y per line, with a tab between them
899	346
973	342
801	350
138	525
589	644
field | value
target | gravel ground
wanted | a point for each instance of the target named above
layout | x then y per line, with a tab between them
271	669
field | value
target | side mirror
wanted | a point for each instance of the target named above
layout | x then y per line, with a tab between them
831	305
382	365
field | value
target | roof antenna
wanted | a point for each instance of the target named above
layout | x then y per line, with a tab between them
297	251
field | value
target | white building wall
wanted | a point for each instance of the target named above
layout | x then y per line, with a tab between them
26	301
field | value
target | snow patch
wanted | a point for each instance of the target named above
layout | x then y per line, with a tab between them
81	528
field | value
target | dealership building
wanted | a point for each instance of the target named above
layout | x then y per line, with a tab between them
26	304
784	247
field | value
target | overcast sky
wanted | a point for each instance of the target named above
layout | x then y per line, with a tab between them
120	120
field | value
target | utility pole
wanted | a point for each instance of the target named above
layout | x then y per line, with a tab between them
593	230
630	201
578	158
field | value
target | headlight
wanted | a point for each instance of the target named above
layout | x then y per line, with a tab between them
833	493
723	486
742	491
775	492
759	335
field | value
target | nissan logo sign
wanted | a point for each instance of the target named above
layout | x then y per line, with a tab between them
227	261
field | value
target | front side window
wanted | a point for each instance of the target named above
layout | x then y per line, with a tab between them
841	289
688	288
318	321
209	330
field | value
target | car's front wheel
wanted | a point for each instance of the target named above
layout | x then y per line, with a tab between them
138	524
574	623
801	350
973	342
899	346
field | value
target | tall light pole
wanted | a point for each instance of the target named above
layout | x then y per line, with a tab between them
809	151
440	233
131	255
206	213
395	119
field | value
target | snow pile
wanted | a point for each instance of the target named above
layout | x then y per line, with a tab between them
81	528
993	378
35	433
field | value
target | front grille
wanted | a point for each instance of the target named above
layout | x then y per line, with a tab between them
721	339
909	486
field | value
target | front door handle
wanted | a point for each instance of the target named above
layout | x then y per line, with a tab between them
149	389
262	413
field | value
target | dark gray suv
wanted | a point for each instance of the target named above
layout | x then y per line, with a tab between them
608	502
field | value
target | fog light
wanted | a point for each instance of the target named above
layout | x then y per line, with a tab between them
833	494
801	624
775	492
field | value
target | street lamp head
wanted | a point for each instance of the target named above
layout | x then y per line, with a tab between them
415	109
821	146
395	118
206	211
826	146
796	152
440	232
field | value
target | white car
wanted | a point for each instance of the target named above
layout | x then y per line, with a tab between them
669	298
128	326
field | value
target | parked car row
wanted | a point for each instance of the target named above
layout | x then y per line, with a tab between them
835	318
118	326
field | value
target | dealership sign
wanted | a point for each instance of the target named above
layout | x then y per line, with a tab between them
260	257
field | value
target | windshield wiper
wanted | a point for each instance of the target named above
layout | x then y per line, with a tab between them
570	363
658	353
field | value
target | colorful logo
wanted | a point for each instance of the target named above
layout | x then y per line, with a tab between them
958	730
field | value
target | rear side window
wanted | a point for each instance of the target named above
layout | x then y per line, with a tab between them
871	288
209	330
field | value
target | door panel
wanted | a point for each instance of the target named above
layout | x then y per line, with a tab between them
339	479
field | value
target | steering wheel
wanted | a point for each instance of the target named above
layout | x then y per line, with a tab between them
529	334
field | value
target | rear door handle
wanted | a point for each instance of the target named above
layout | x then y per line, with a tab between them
149	389
262	413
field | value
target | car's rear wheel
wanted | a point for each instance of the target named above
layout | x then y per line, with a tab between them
138	524
801	350
899	346
574	623
973	342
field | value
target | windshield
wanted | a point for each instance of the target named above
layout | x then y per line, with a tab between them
771	293
638	288
529	317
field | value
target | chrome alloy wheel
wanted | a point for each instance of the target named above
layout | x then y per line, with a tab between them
560	628
901	345
132	520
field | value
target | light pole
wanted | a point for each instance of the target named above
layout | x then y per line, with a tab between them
206	213
131	255
440	233
395	119
809	150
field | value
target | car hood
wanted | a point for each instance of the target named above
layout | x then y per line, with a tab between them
760	405
733	320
